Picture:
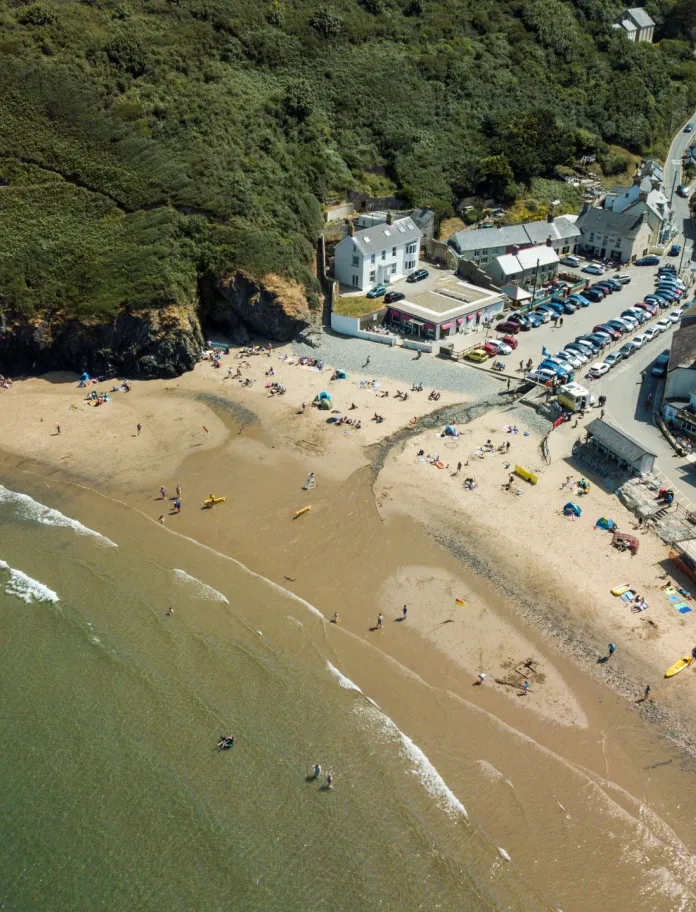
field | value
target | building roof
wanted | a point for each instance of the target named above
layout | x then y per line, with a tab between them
515	235
516	292
379	237
640	17
683	349
627	25
617	442
511	264
605	220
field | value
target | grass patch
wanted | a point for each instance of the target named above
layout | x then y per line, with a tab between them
357	306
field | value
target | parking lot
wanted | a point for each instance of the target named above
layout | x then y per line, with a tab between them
586	318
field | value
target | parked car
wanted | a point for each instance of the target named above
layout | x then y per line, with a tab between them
507	327
511	341
613	358
628	348
608	328
593	269
566	357
674	316
651	309
560	370
391	297
601	338
636	314
579	299
581	351
542	375
592	344
620	326
687	129
535	319
660	366
622	277
377	292
544	314
682	191
418	275
675	249
598	370
649	260
667	269
520	320
593	294
614	284
497	347
478	354
664	324
605	287
639	340
571	261
651	333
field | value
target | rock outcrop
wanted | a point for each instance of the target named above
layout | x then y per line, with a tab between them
273	306
145	344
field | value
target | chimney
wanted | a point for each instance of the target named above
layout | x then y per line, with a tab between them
389	217
351	227
643	196
655	183
548	241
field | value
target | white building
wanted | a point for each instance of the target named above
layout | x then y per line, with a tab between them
532	267
483	245
377	255
636	23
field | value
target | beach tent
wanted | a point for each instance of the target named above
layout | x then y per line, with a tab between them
572	509
85	377
325	404
341	374
451	432
324	395
605	523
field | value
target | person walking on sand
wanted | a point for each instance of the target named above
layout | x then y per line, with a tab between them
380	621
139	427
163	493
525	688
647	692
404	613
178	491
367	362
161	519
170	612
612	649
329	781
479	681
334	619
521	365
459	467
57	429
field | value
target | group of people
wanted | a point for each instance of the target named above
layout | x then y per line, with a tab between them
275	389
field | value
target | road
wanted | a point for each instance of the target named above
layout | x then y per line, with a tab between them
679	205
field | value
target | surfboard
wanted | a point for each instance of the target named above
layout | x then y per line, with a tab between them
678	666
302	512
211	501
619	590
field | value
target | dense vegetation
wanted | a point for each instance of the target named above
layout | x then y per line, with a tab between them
145	142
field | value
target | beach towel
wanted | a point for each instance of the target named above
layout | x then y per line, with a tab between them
680	605
684	610
670	590
674	598
628	596
440	465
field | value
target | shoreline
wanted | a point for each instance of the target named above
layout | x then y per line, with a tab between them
258	464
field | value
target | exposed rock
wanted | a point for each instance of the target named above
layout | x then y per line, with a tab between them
313	336
147	343
273	307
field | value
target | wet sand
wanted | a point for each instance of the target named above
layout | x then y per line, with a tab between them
354	557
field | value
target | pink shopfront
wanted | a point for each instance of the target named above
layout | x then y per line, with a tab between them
435	330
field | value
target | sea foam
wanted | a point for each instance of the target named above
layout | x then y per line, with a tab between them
421	768
32	510
203	589
24	587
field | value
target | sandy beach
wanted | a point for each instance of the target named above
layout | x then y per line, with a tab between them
535	586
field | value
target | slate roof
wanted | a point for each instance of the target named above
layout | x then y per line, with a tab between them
683	350
607	221
640	17
616	441
514	235
379	237
512	263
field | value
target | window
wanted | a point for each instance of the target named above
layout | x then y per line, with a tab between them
372	276
393	251
393	268
411	248
410	264
372	259
356	281
384	254
591	236
356	261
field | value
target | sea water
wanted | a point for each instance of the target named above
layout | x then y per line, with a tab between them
115	797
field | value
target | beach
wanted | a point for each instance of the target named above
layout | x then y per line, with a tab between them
544	796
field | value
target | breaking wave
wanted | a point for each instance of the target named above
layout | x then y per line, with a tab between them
203	589
32	510
25	588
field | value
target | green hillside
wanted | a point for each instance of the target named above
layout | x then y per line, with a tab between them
144	143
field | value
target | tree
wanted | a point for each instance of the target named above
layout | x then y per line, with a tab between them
327	23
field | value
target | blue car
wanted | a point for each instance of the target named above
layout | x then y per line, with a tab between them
579	299
650	260
556	367
535	319
377	292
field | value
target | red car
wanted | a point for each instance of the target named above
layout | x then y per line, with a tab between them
508	327
603	327
491	349
511	341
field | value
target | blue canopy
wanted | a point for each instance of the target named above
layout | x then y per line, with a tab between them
85	378
572	509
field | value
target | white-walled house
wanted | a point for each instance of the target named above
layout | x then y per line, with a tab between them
377	255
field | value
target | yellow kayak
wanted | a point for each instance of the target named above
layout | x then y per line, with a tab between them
211	501
302	512
679	666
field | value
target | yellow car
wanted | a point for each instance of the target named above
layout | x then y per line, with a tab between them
478	354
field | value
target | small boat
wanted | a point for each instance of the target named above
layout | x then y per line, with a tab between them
683	663
212	501
302	512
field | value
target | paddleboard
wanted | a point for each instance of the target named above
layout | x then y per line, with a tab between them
678	666
301	512
619	590
211	501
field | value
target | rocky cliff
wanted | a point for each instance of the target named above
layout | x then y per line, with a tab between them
154	342
273	307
